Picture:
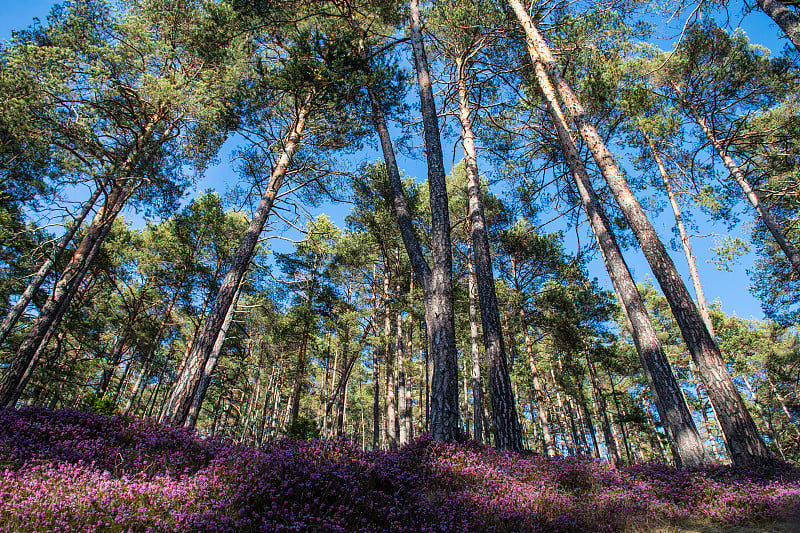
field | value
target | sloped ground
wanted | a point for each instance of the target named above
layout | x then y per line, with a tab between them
76	471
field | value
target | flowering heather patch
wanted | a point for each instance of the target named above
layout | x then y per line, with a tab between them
74	471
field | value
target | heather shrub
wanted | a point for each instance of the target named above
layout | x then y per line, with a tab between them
79	471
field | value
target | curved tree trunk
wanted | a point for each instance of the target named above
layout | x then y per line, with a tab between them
507	432
783	17
746	445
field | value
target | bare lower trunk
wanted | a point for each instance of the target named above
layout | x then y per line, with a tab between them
538	390
764	418
376	399
669	400
211	364
402	430
477	393
438	286
57	303
608	431
792	420
742	436
390	420
408	417
300	372
180	399
507	433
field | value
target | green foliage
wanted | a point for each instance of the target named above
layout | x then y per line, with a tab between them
101	406
302	429
728	251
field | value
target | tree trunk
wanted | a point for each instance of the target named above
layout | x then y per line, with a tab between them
390	419
55	320
608	431
567	436
269	394
704	412
204	380
323	412
507	433
437	286
766	217
783	17
44	270
746	444
54	308
687	249
477	393
129	406
538	390
764	418
408	416
183	391
376	398
792	421
300	371
402	429
61	296
116	356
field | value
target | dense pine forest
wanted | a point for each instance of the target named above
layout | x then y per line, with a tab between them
497	337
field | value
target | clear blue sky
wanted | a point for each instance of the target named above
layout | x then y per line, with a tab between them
729	288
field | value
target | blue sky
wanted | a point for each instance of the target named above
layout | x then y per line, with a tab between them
728	288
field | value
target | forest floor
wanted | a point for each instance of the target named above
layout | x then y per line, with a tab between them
77	471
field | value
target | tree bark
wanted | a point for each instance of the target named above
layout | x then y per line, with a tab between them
783	17
211	364
64	289
669	400
792	420
408	416
477	393
608	431
376	399
177	406
746	444
390	408
44	270
438	286
687	249
505	423
402	429
53	309
770	430
538	389
300	371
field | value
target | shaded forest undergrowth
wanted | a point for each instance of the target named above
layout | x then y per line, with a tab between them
77	471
